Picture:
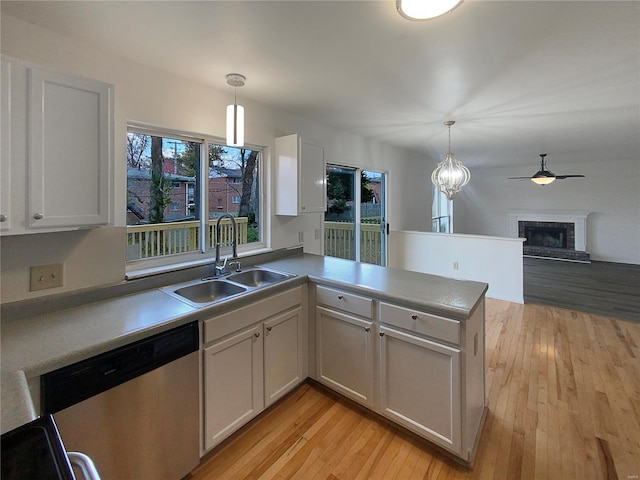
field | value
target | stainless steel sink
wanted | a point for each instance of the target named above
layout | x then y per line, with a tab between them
258	277
209	291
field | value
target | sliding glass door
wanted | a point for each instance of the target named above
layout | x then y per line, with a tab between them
355	223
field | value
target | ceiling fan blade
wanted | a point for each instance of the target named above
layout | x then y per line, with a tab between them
518	178
562	177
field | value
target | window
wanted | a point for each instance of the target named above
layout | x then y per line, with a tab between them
441	212
177	188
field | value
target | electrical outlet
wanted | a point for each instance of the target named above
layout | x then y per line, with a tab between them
455	265
300	237
317	234
46	276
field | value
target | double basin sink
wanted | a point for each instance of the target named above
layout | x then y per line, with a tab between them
200	293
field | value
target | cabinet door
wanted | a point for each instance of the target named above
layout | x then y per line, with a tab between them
345	354
420	386
69	157
232	384
300	176
282	355
5	147
312	178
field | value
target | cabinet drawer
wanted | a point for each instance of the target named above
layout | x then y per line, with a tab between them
218	327
347	302
421	322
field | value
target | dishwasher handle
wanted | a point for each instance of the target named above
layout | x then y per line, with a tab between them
85	464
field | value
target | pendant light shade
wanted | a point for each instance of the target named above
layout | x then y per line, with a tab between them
450	175
235	113
235	125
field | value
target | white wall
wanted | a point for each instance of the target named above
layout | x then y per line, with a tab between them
493	260
153	97
610	190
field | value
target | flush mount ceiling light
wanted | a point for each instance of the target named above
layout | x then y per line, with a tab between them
425	9
450	175
235	113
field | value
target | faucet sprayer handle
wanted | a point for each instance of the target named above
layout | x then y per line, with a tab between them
237	264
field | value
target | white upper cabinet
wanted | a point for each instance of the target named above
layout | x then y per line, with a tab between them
300	176
60	150
6	217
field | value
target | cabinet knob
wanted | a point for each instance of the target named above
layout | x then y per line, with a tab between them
3	217
381	334
257	334
367	329
414	317
269	329
38	216
340	297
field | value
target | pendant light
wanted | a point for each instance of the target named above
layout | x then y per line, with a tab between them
450	175
425	9
235	113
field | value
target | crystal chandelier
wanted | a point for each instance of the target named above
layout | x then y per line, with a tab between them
450	175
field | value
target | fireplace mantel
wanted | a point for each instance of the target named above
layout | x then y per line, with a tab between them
578	218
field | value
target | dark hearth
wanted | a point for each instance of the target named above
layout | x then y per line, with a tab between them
551	240
552	237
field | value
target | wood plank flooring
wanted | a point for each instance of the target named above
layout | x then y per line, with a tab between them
563	392
605	288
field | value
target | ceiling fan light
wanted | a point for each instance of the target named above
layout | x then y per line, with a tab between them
543	179
425	10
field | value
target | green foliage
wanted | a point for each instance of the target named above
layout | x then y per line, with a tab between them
366	194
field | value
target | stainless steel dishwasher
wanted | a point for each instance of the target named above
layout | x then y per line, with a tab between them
134	410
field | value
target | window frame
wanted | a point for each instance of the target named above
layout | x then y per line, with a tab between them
438	197
141	267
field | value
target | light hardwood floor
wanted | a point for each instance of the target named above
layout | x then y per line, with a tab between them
563	391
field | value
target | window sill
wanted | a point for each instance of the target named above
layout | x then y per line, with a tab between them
137	271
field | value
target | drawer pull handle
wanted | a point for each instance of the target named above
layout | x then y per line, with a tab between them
38	216
367	329
3	218
257	334
381	334
340	297
414	317
269	329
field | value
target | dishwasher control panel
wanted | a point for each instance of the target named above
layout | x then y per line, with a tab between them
74	383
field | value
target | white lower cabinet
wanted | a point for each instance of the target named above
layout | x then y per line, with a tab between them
233	379
283	345
420	386
422	371
345	354
252	356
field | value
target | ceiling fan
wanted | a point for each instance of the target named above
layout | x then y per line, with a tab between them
545	176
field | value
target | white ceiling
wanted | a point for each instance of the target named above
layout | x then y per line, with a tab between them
519	77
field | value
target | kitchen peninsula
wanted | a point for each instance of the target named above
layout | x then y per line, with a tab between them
415	341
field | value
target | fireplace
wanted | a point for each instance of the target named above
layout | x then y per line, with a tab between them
548	234
557	235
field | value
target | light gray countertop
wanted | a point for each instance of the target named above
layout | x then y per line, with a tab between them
36	345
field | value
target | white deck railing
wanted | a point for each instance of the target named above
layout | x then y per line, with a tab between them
168	238
339	241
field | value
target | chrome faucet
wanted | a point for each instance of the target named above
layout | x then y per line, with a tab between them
220	269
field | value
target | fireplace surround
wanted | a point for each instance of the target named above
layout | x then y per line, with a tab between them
555	234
